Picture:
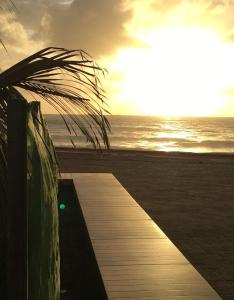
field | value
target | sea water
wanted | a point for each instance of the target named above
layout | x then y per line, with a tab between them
187	134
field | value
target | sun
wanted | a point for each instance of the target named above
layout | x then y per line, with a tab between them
182	71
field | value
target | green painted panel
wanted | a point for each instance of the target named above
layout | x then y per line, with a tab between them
42	188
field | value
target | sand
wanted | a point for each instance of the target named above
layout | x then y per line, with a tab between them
190	196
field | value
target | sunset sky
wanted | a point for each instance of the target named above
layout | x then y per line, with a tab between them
164	57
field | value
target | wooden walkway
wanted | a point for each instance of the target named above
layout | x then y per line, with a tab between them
135	258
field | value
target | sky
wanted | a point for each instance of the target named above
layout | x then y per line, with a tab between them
164	57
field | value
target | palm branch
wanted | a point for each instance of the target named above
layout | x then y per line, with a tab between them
66	79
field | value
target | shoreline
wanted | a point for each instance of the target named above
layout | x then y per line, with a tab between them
189	195
146	152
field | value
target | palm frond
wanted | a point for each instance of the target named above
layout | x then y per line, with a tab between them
69	81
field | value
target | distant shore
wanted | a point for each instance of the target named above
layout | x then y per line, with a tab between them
190	196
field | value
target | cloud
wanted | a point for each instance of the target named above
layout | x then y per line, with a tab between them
95	26
216	15
101	27
18	41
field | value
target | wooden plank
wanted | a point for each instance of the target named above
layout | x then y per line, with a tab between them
108	202
116	213
137	252
136	259
65	176
124	230
156	281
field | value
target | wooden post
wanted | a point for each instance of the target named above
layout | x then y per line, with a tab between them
17	281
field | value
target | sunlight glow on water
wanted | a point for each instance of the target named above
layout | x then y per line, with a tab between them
158	133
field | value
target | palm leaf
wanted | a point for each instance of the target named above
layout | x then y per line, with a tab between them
69	81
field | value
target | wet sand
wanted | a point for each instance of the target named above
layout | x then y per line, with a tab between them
190	196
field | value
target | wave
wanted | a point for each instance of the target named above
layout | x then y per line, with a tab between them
153	133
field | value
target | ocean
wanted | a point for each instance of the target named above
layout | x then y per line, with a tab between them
187	134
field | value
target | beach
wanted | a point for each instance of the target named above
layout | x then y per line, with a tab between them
190	196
